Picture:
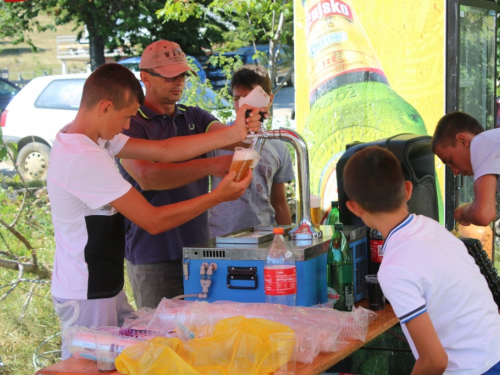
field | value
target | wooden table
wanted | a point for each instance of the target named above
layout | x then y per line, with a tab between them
385	320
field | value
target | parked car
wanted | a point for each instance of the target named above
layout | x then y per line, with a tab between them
46	104
133	64
284	60
247	55
7	91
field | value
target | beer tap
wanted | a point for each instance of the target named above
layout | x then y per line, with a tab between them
305	228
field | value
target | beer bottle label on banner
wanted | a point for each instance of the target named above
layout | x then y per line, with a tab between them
337	44
280	281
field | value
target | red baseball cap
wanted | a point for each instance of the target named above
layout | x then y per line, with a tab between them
165	58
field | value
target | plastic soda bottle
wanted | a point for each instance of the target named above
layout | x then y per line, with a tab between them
280	272
339	270
350	96
333	215
376	247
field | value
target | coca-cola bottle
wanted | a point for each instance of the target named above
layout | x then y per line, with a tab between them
376	250
280	273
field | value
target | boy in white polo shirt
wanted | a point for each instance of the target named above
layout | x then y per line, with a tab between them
443	302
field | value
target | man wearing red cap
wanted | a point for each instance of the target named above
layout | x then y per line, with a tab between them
154	263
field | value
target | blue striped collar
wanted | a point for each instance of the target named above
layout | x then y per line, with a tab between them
401	225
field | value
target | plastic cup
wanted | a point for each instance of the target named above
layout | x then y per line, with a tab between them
315	209
283	353
376	299
106	347
243	159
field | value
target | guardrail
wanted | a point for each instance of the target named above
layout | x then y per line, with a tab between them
69	46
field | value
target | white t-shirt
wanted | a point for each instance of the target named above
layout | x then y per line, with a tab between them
485	154
82	180
426	269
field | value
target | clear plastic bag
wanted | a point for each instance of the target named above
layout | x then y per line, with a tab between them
237	346
317	329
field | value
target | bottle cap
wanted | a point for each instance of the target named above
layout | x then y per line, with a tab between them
334	204
338	226
278	231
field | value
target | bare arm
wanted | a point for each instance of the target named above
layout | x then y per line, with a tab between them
187	147
155	220
162	176
278	201
218	126
432	358
482	210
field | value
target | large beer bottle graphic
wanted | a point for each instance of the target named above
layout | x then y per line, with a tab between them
350	96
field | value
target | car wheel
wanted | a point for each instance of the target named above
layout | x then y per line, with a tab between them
33	161
291	81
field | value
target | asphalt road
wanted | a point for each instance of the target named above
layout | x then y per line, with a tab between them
284	102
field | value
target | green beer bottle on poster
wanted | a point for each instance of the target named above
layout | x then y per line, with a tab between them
350	96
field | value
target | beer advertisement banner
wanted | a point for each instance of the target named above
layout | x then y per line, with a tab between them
366	70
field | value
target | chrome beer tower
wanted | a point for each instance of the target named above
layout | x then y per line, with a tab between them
305	229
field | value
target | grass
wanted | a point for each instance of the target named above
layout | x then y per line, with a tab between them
20	60
24	327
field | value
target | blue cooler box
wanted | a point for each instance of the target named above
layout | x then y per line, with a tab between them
239	276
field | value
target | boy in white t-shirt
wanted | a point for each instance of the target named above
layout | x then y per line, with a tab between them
89	197
443	302
461	143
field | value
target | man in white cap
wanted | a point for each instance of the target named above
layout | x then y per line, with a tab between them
154	263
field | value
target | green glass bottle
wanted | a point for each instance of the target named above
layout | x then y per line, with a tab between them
333	215
339	268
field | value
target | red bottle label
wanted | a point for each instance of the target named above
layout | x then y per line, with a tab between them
280	281
376	248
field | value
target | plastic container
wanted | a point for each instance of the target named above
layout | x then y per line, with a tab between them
315	209
280	272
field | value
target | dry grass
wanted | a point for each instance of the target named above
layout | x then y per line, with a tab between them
19	59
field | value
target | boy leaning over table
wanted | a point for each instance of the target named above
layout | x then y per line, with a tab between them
443	302
89	198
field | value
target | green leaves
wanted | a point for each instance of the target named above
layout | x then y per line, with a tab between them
180	10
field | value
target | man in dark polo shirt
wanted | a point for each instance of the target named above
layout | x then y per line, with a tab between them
154	262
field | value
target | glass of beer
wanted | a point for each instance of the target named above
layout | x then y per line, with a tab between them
243	159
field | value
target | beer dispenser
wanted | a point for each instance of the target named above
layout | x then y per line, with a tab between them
417	160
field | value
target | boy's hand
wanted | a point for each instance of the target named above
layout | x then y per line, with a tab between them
219	165
459	214
228	190
251	123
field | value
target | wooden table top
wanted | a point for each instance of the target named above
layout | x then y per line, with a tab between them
385	320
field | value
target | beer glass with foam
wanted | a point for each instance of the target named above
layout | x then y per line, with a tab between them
243	159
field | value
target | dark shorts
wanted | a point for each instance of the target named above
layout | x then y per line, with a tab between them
152	282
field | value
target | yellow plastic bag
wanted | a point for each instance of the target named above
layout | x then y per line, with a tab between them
238	345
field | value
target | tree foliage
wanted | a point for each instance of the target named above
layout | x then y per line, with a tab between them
112	24
253	22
